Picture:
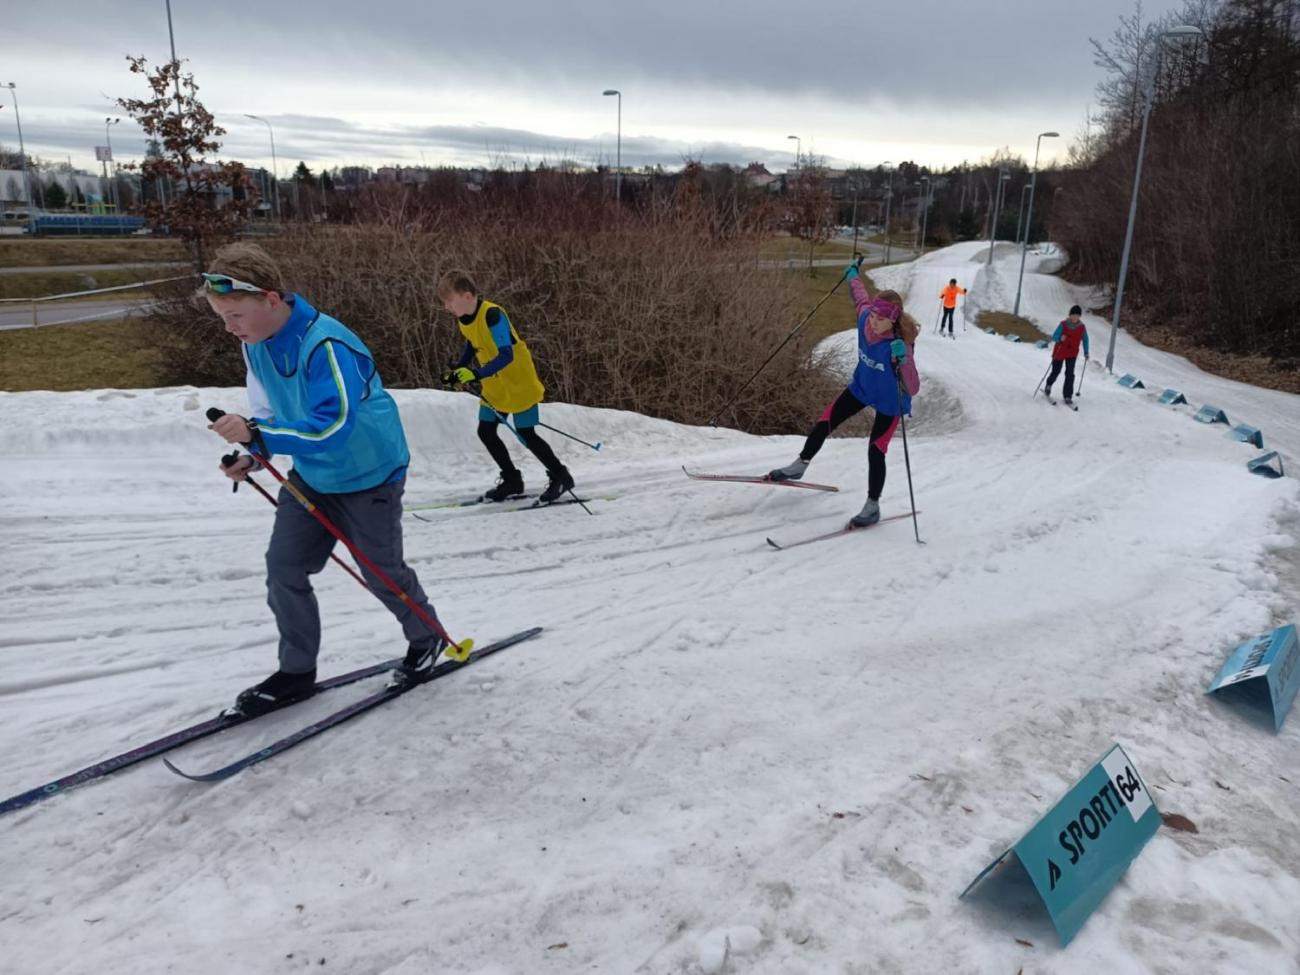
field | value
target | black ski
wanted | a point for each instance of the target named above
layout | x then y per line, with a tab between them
174	740
351	711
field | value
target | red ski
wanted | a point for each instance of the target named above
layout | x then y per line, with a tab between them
749	479
846	530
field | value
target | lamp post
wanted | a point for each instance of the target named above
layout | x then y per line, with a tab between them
997	205
618	164
1148	91
925	212
798	146
889	199
112	182
1029	218
275	166
27	180
857	187
1020	214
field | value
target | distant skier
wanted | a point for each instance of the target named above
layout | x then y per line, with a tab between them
510	386
886	344
1065	350
949	297
314	393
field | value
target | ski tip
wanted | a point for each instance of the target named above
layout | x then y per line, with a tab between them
597	446
774	544
182	774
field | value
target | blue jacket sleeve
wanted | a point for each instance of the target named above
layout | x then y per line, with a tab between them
336	381
500	328
1085	342
1056	336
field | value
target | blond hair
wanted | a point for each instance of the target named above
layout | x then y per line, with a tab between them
245	262
456	281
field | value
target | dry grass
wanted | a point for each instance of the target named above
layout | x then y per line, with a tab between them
120	354
1005	323
42	252
45	283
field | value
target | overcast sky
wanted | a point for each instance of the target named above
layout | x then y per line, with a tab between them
405	81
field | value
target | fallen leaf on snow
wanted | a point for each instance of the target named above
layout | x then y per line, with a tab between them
1022	941
1180	823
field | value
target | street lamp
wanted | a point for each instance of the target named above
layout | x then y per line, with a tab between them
618	165
27	180
275	166
798	145
1020	214
1181	32
1024	248
112	182
925	212
997	205
889	199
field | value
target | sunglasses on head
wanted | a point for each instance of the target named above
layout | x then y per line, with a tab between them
224	284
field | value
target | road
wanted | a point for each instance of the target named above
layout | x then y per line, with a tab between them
19	315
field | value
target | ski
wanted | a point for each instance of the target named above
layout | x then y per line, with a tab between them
552	504
351	711
748	479
848	529
468	503
174	740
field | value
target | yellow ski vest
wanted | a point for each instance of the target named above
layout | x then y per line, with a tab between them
516	387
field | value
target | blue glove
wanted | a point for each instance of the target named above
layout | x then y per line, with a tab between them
850	272
898	350
464	375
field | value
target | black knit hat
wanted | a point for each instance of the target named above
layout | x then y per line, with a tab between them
1076	310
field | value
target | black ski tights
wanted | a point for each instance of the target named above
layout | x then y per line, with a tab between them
487	433
845	406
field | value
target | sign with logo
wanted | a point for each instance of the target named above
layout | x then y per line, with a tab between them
1172	397
103	154
1266	465
1245	433
1131	381
1077	851
1210	414
1266	667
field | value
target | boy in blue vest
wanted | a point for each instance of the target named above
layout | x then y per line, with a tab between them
314	393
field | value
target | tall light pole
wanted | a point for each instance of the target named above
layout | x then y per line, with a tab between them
1029	218
1020	214
618	164
275	166
27	180
112	182
1148	91
889	199
996	203
798	145
925	213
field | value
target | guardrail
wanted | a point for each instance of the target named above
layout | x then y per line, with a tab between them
35	303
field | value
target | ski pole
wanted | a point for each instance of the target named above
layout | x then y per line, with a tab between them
963	313
502	417
1082	373
713	420
1041	381
907	460
938	320
460	653
229	459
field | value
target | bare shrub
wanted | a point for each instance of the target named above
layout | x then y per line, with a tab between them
665	311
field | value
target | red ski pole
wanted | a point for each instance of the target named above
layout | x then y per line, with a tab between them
460	653
231	458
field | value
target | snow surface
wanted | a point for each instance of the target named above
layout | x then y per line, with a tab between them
718	758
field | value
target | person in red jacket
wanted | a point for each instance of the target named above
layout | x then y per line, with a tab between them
949	296
1065	350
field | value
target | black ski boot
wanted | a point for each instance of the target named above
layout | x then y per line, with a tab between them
561	481
277	691
511	484
418	663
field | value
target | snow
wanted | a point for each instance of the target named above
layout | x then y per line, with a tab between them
718	757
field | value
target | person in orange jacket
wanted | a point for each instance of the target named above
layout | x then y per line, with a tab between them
949	296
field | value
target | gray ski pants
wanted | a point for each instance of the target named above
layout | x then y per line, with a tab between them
300	546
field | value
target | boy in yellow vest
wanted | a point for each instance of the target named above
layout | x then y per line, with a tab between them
510	386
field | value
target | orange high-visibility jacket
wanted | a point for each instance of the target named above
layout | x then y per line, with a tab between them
949	295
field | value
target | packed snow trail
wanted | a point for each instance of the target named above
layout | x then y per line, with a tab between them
711	739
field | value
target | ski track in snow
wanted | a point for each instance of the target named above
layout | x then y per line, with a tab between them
717	757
